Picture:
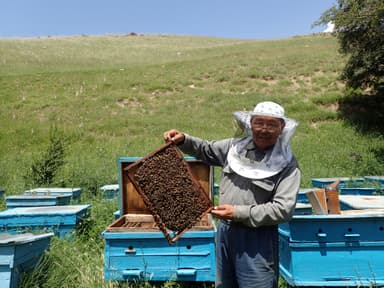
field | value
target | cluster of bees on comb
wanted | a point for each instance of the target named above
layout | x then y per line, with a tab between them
174	199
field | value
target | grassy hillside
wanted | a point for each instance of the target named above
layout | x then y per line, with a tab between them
113	96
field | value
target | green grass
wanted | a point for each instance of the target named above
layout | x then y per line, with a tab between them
113	96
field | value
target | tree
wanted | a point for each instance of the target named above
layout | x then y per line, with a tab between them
359	27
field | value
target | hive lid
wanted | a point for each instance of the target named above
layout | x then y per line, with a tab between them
43	210
363	201
167	186
50	190
7	239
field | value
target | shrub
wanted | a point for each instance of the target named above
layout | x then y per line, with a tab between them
44	169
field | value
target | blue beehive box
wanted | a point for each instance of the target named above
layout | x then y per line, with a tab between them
359	191
75	193
302	195
303	206
110	192
338	250
378	180
20	253
15	201
62	220
116	214
135	248
344	181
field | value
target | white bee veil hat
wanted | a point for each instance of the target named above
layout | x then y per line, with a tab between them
277	158
268	108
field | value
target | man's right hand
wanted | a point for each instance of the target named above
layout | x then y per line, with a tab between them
174	136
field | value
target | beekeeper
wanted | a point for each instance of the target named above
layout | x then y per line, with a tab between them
258	188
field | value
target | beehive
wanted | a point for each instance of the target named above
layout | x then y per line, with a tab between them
15	201
343	181
360	191
75	193
62	220
110	191
137	249
375	180
20	253
337	250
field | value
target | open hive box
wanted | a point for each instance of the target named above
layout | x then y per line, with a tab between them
143	244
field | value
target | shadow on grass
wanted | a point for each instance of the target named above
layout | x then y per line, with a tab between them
364	112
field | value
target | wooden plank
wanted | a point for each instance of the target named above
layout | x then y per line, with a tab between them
332	197
318	201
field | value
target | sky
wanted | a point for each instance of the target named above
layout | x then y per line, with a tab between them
244	19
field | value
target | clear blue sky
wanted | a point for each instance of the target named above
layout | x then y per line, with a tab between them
247	19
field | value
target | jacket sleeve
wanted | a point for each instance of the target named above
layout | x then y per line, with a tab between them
280	209
211	152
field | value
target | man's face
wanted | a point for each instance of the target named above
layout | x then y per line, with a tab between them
266	130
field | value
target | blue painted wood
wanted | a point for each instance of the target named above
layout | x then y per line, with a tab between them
110	191
15	201
20	253
344	181
144	254
116	214
333	250
378	180
302	196
75	193
62	220
368	224
147	256
360	191
303	208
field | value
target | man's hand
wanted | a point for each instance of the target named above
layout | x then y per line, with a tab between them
174	136
223	212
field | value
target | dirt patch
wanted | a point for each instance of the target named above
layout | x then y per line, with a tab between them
131	102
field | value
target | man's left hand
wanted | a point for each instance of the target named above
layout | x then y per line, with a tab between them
223	212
